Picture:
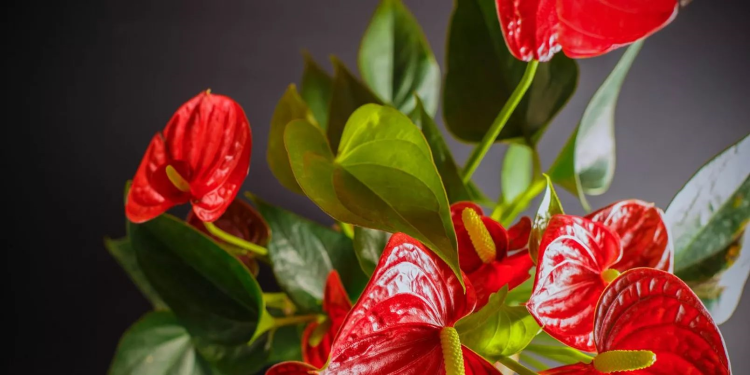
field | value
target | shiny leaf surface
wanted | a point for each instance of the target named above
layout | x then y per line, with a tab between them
368	245
550	206
316	89
481	74
122	250
396	61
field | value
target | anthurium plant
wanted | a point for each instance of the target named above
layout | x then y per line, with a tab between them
422	272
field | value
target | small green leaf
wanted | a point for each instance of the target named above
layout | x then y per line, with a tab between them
316	89
707	219
396	61
518	171
549	207
303	253
586	165
290	107
210	291
158	345
497	329
368	245
482	74
383	177
348	95
123	252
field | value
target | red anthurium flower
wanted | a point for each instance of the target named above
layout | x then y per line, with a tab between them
201	157
537	29
573	267
240	220
318	336
649	322
403	323
483	245
643	234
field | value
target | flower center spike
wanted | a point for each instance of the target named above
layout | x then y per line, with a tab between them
177	180
610	275
624	360
479	235
452	354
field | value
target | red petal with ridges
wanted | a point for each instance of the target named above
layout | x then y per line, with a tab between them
489	278
643	234
572	255
529	28
474	364
468	258
336	305
291	368
145	200
574	369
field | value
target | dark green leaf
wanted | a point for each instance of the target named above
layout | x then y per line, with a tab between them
368	245
396	61
158	345
303	253
235	359
549	207
290	107
497	329
209	290
518	171
707	218
482	74
383	177
286	344
316	89
586	164
123	252
348	95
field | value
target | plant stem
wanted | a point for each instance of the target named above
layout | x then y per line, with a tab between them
515	366
539	365
502	118
291	320
232	240
557	351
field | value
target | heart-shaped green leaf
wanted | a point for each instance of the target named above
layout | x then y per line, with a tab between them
586	165
482	74
123	252
290	107
498	330
209	290
158	345
368	245
549	207
316	89
303	253
348	94
707	219
383	177
396	61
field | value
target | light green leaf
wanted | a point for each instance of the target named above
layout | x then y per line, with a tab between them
497	329
123	252
549	207
290	107
383	177
518	171
303	253
348	95
316	89
707	219
396	61
482	74
586	164
369	245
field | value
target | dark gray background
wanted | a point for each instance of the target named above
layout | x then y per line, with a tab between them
90	83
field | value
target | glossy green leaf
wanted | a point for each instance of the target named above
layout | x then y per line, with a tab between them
497	329
586	165
518	171
239	359
316	90
368	245
549	207
396	61
482	74
286	344
348	94
290	107
209	290
158	345
383	177
303	253
123	252
707	219
441	154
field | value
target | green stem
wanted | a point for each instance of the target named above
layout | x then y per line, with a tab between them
291	320
502	118
557	351
515	366
232	240
279	301
539	365
347	229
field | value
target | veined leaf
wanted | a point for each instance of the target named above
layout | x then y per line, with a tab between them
316	89
368	245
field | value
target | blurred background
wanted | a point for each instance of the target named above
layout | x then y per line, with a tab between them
92	81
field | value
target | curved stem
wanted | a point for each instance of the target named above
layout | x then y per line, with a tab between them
232	240
515	366
539	365
502	118
557	351
291	320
